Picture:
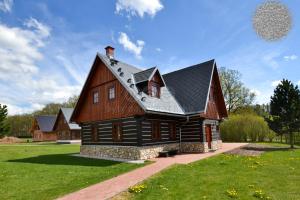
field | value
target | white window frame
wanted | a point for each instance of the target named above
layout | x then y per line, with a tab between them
111	93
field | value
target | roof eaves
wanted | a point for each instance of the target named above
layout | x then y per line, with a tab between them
165	113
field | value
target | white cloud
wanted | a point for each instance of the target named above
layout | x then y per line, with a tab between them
135	48
158	49
275	83
290	57
299	82
139	7
41	29
69	66
6	5
16	110
25	84
19	50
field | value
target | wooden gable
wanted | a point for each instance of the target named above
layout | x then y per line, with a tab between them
157	81
156	78
100	80
34	126
61	123
215	108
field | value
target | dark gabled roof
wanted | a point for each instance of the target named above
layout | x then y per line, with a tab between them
46	122
67	112
143	75
185	92
190	86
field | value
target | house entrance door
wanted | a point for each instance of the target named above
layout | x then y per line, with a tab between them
208	135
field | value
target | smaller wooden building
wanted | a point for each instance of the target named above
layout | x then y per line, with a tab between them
42	128
66	132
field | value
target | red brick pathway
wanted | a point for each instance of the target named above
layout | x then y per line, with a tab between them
112	187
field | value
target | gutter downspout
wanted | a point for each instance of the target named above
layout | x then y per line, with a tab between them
187	121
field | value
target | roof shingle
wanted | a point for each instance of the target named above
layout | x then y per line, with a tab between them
46	122
190	86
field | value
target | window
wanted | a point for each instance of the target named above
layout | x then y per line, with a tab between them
172	131
117	132
155	130
95	97
111	93
154	90
94	133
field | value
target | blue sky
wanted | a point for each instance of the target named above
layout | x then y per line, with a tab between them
47	47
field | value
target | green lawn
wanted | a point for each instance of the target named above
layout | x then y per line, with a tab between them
46	171
276	174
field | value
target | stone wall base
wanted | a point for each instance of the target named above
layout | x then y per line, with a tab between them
126	152
144	152
194	147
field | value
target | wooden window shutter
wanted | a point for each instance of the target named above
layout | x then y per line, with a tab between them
156	130
172	130
94	133
117	131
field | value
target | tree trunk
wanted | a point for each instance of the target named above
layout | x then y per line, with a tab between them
280	138
292	139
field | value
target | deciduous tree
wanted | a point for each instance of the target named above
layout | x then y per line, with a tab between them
235	93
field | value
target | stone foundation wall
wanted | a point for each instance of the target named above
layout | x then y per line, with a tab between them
126	152
145	152
193	147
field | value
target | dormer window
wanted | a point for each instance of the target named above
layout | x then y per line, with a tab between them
150	82
154	90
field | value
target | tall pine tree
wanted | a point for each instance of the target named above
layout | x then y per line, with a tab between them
4	128
285	106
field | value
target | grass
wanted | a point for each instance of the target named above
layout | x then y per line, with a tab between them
273	175
46	171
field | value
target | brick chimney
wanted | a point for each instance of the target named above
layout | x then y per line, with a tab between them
109	52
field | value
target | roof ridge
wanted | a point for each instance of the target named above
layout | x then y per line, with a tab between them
121	61
195	65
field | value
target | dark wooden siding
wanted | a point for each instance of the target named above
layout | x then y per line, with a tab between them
75	134
129	128
192	131
146	134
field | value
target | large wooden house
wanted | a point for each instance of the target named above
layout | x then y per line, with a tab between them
67	132
130	113
42	128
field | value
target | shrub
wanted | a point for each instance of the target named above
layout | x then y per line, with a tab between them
241	127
